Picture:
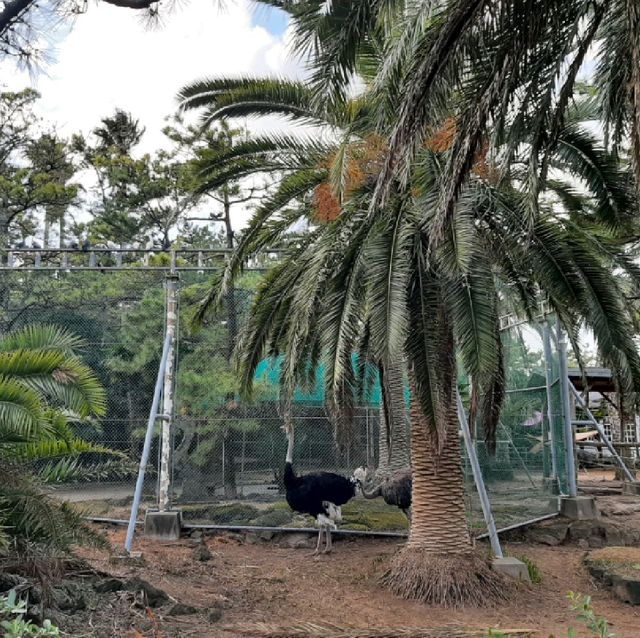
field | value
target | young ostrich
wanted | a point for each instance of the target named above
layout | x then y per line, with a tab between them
319	494
395	489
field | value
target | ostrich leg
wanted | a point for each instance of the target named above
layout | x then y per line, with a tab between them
320	531
329	545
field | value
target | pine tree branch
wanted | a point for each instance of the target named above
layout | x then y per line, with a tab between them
11	13
131	4
14	9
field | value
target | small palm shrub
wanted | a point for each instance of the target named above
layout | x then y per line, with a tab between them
45	389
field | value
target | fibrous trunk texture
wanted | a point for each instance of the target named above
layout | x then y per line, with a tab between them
438	564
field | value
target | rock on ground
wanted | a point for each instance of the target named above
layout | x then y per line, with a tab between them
618	568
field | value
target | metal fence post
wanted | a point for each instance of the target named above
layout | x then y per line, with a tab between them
546	339
566	415
604	437
164	501
144	459
479	481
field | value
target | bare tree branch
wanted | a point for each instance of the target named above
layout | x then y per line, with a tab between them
12	11
132	4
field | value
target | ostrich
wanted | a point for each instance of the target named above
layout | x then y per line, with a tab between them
319	494
395	489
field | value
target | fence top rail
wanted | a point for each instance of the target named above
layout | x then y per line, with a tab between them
152	251
130	268
125	258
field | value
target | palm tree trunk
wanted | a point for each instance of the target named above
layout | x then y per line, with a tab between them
439	523
439	564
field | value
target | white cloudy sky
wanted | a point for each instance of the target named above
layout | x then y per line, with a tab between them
109	59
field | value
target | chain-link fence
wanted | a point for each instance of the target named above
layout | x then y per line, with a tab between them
120	317
228	456
527	471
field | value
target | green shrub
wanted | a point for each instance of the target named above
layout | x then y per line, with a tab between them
13	624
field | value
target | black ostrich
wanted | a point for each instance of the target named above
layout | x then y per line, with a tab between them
395	489
320	494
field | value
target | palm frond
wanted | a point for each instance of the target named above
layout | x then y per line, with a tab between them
388	275
42	337
335	35
47	449
250	97
429	344
264	154
74	469
608	184
21	411
260	234
269	316
34	517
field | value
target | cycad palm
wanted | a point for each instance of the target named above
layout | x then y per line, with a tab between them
43	387
396	283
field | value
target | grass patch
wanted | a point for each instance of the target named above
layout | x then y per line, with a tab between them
274	518
534	573
374	515
623	561
232	514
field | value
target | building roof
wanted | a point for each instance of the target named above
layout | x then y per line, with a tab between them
598	379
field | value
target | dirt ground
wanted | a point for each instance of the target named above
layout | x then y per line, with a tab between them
264	582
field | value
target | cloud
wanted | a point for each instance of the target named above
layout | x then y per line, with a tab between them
110	59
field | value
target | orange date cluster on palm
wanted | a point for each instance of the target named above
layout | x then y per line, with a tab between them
365	159
442	140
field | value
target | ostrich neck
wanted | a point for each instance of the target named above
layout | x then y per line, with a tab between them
377	491
290	446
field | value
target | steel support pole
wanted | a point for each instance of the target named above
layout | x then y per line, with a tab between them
566	415
603	436
164	500
144	459
548	355
478	479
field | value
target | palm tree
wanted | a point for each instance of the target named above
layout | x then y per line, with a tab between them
318	172
44	388
507	70
394	451
400	283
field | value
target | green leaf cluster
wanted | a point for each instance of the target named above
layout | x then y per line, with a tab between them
44	389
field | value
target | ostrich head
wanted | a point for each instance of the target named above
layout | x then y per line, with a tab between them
360	475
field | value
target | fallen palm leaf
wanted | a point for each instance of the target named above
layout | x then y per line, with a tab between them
313	630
